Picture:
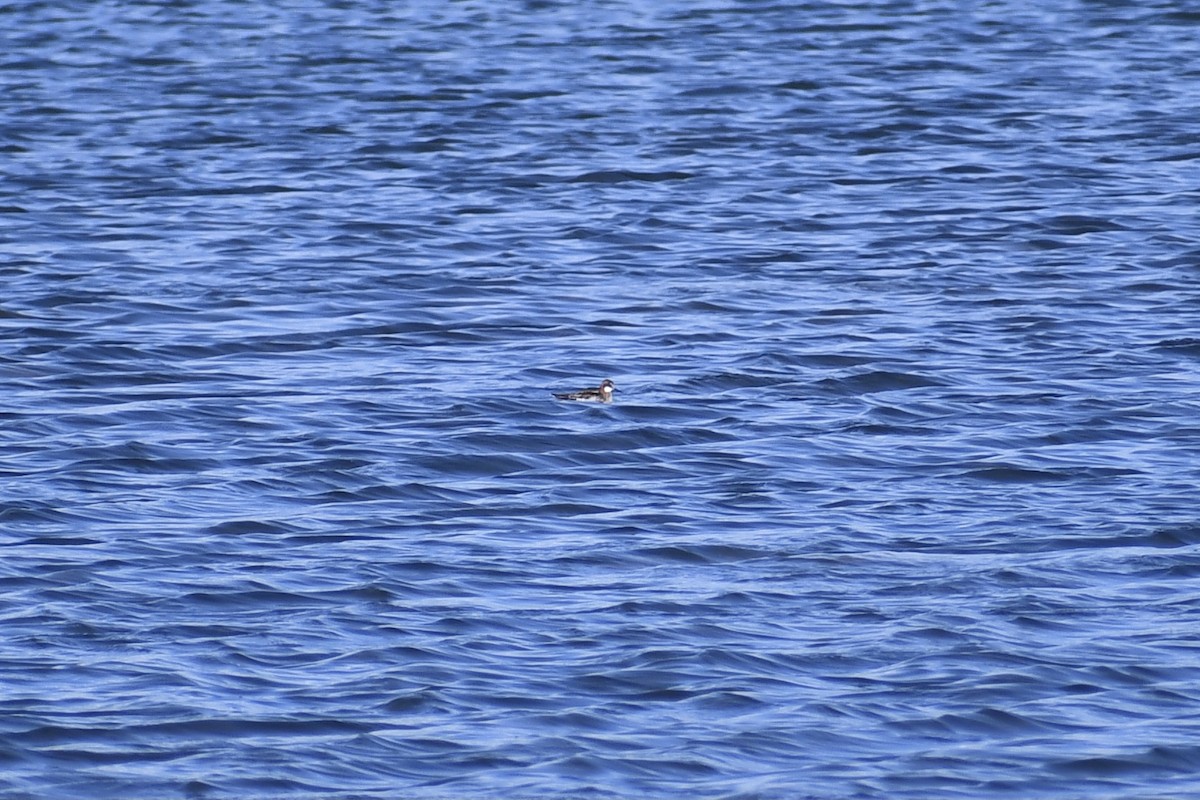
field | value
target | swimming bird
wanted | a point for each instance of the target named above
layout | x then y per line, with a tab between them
603	394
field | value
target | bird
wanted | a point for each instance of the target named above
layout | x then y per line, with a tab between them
601	394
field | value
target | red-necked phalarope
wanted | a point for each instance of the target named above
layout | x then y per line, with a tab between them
601	395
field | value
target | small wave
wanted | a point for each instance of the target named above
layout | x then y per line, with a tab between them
625	176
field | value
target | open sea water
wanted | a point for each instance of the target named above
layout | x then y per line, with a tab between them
898	497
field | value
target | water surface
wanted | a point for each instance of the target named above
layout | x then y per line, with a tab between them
897	498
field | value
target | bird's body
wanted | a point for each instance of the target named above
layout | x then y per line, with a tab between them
601	394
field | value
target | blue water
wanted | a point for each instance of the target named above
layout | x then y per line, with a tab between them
897	498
